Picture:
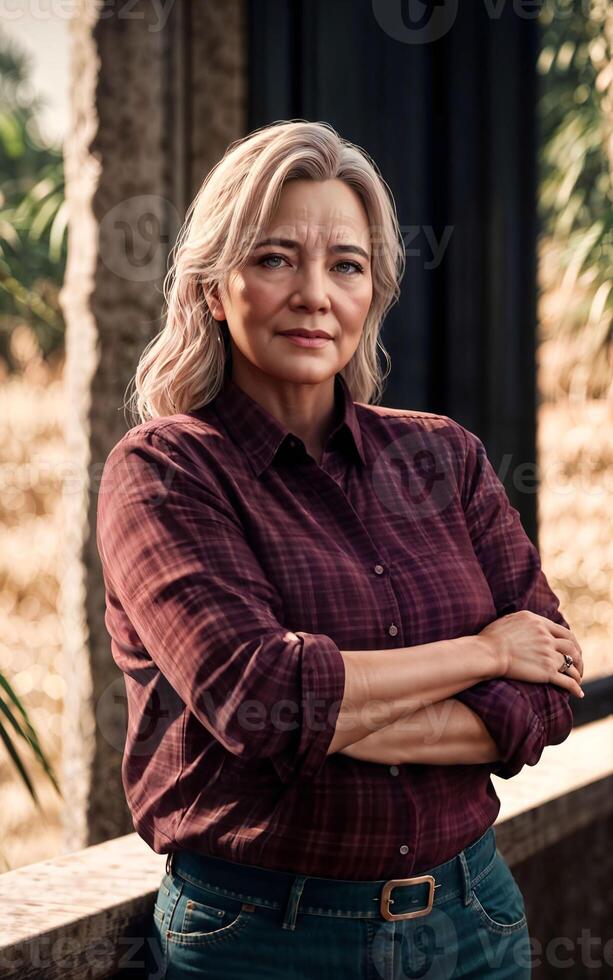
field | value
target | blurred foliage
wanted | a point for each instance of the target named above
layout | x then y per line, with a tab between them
32	260
576	199
33	215
33	465
575	451
16	718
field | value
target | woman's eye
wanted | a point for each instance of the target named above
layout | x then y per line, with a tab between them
267	258
353	265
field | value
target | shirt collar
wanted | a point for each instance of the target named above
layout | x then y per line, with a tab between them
260	434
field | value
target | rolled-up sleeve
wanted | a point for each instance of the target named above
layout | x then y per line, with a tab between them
521	716
175	556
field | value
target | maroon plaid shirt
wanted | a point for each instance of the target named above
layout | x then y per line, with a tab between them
237	568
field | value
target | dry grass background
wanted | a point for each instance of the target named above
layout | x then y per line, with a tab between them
31	468
575	444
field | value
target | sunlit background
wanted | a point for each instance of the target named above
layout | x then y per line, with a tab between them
575	420
33	120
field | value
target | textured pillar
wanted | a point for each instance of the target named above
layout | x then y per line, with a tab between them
157	93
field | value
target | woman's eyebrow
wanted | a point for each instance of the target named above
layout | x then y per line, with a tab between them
291	244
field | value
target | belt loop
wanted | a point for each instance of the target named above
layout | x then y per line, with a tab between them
291	909
466	883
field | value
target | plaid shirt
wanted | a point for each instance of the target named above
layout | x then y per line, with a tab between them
236	568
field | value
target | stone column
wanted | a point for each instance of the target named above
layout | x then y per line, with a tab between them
157	93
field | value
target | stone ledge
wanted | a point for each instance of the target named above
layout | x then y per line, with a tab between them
571	786
78	915
73	916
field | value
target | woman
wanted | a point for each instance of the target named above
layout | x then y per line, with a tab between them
332	625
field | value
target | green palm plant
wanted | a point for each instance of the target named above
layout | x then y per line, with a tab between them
33	215
16	716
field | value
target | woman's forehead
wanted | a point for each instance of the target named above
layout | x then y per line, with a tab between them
327	202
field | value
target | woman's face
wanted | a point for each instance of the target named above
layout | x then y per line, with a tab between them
322	282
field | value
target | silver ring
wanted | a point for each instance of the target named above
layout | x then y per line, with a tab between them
568	662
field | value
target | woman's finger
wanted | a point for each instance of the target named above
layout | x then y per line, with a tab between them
570	680
578	658
567	647
563	633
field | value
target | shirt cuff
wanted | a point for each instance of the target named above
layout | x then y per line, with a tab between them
323	686
510	720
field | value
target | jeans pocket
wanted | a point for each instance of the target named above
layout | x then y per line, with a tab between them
166	899
202	917
497	899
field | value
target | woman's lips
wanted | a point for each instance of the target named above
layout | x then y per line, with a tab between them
306	341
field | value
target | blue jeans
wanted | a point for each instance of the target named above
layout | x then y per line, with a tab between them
229	921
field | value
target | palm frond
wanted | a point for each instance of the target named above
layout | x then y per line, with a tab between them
24	728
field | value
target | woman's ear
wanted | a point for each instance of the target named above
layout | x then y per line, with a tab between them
214	303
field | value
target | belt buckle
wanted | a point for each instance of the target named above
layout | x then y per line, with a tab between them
393	883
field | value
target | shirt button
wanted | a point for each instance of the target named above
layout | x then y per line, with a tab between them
392	630
379	569
394	770
404	849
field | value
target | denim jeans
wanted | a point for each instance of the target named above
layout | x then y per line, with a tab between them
229	921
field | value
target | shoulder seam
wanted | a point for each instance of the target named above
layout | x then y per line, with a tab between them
159	427
402	413
155	425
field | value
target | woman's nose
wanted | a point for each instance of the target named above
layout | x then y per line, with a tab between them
312	290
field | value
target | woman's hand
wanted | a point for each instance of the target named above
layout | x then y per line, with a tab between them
532	647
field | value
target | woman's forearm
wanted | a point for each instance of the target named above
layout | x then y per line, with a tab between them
382	686
445	733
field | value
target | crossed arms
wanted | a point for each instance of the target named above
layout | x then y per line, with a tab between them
445	733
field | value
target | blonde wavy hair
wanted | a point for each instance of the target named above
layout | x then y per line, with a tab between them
183	367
